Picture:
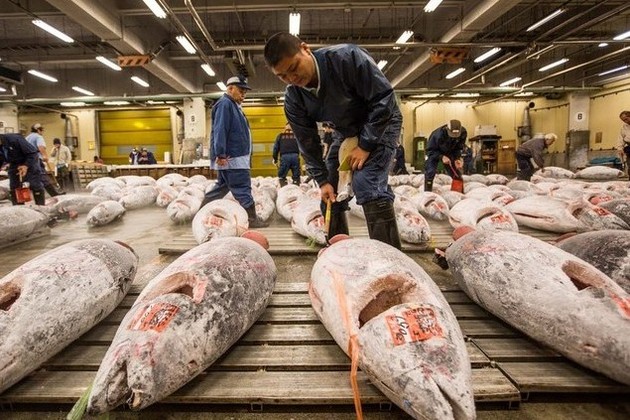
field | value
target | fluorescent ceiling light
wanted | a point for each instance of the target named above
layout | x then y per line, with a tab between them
525	94
487	55
432	5
222	86
424	95
510	82
116	103
83	91
43	76
604	73
150	102
602	44
185	42
53	31
294	23
208	70
465	95
2	89
109	63
71	104
139	81
455	73
622	36
155	8
404	37
381	64
554	64
545	20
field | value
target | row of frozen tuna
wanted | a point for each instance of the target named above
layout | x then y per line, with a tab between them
378	304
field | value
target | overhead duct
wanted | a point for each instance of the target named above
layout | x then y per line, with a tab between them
102	23
475	21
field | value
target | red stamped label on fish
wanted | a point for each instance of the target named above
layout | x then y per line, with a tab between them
601	211
155	317
215	221
417	324
499	218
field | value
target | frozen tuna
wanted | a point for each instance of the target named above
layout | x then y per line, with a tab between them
287	200
79	203
219	218
139	196
550	295
183	208
105	213
599	173
606	250
308	220
183	321
412	226
545	213
19	221
409	343
481	215
619	207
51	300
431	205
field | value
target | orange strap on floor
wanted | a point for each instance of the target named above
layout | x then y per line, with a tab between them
353	344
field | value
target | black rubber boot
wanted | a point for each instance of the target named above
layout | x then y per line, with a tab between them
253	219
338	224
39	196
283	182
381	222
52	191
428	185
14	199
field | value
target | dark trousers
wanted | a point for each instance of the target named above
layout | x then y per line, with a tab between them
525	167
289	161
33	177
236	181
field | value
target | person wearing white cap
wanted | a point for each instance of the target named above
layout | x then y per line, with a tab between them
447	142
532	149
36	139
231	148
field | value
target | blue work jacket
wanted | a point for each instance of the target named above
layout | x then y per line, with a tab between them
442	144
354	94
230	136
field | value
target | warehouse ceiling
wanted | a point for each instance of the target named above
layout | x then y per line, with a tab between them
229	35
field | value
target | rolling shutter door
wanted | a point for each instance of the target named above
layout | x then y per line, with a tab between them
265	123
120	131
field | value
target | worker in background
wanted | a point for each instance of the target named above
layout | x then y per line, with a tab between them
61	157
342	84
146	157
134	155
446	142
399	167
286	156
36	139
231	150
623	145
467	156
24	166
532	150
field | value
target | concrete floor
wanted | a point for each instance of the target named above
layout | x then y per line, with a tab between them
146	229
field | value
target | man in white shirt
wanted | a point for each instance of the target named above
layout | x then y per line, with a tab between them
623	146
61	157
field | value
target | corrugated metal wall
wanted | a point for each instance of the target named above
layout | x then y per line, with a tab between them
265	122
120	131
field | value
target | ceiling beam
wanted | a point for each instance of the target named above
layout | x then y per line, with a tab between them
94	17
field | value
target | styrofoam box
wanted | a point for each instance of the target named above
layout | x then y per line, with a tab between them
485	130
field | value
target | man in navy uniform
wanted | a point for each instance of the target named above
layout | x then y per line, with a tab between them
24	166
286	148
342	84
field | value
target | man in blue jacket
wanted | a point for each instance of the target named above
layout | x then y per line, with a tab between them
448	142
23	163
286	148
342	84
231	148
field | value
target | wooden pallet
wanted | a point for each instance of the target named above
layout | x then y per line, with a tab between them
284	241
84	174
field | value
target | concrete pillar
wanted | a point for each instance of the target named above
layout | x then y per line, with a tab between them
9	119
577	139
195	140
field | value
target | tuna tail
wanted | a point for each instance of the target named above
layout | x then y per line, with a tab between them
110	388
